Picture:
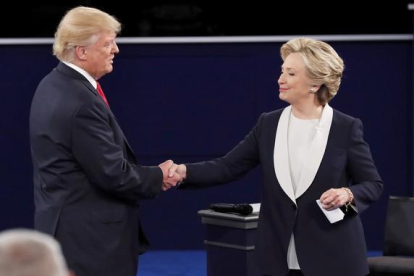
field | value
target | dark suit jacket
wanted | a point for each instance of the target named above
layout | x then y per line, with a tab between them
87	185
323	249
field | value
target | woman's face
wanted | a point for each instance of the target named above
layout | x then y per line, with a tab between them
294	84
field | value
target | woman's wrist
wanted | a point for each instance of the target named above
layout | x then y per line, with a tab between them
350	196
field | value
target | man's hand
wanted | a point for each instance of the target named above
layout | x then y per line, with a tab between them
170	177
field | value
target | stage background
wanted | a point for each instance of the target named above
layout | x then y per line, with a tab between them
192	102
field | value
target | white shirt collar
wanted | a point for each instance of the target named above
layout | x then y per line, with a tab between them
83	72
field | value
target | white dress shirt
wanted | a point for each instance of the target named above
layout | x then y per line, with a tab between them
83	72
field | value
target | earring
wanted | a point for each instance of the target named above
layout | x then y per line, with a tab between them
312	90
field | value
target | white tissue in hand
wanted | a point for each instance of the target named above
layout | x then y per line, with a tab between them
334	215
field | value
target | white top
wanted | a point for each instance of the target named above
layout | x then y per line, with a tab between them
300	136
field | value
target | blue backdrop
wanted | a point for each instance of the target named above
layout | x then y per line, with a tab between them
192	102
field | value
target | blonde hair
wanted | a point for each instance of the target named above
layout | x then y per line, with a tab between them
323	65
26	252
81	26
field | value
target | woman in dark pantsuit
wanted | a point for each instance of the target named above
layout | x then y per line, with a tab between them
308	152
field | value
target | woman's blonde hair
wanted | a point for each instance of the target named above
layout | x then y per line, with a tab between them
323	65
80	27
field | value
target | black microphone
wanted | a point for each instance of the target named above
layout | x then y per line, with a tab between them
243	209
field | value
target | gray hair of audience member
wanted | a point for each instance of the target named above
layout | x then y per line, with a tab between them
324	66
81	26
26	252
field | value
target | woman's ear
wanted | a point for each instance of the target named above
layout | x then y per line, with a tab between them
314	88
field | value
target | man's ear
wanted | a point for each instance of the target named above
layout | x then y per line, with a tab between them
80	52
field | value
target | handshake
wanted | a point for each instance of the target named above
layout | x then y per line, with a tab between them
173	174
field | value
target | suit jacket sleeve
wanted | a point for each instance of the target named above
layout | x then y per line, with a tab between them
366	182
103	160
236	163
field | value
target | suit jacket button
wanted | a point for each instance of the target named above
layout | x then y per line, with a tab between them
294	207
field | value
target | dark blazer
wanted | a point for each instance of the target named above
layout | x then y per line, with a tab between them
87	184
323	249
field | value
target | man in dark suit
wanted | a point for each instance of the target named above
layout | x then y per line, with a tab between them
87	184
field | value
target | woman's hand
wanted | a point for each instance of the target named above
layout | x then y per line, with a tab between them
334	198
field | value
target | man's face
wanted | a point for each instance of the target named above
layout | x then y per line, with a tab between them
100	55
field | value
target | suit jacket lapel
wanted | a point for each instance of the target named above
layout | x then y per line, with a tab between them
281	155
63	68
316	151
94	91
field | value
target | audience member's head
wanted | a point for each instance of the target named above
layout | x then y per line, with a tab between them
26	252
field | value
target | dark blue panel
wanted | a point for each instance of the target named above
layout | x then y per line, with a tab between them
195	102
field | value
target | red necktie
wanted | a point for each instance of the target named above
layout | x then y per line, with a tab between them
100	91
